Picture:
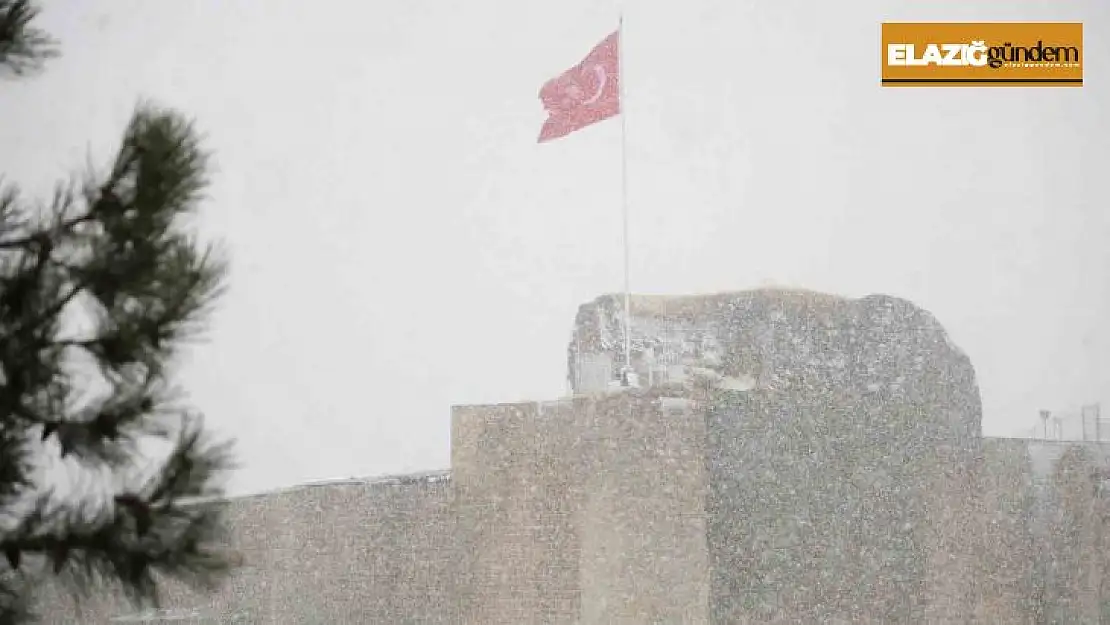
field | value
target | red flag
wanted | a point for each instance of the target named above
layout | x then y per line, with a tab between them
584	94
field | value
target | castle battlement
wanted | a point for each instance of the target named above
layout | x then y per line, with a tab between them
849	483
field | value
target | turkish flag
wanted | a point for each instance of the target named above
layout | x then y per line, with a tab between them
584	94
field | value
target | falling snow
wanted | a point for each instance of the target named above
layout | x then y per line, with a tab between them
851	484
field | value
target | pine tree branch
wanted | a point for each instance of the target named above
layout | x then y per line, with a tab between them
189	470
160	527
23	48
146	286
11	217
129	544
106	432
30	239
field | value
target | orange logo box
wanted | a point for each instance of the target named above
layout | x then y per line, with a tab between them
988	54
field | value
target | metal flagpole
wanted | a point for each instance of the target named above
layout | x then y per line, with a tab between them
624	201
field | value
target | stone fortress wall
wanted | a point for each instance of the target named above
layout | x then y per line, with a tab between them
796	457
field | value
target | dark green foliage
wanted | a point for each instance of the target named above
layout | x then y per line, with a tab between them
23	48
98	291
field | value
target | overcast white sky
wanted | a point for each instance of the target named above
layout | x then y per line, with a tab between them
402	244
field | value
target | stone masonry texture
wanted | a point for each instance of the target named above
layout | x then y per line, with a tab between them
358	552
849	484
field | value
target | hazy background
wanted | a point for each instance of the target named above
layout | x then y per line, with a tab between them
402	244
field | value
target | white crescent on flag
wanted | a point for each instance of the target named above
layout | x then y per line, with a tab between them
602	78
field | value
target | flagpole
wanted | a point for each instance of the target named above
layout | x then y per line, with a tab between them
624	200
